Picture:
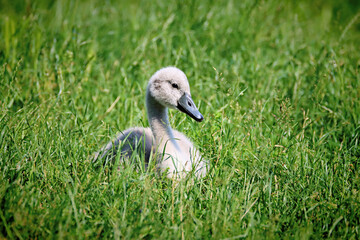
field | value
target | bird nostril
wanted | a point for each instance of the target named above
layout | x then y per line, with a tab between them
189	103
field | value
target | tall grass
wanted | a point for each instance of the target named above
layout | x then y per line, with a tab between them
277	83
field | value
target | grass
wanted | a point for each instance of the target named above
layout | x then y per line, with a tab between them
277	82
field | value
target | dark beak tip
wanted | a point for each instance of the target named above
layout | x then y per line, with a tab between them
200	119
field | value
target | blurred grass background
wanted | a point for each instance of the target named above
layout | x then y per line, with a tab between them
277	82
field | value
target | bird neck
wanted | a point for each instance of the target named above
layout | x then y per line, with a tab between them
159	122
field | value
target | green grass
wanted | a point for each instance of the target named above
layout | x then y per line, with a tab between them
277	82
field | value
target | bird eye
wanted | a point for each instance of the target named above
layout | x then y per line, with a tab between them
174	85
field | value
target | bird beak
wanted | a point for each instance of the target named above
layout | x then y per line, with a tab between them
187	105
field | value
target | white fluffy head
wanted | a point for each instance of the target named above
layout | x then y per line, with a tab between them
167	86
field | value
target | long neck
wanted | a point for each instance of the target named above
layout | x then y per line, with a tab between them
159	122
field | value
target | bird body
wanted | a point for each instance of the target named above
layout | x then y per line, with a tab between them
176	155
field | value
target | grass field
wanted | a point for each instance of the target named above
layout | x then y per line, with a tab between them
278	83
